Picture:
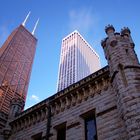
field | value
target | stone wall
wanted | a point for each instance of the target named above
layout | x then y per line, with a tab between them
94	94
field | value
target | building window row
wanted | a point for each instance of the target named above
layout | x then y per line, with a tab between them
89	127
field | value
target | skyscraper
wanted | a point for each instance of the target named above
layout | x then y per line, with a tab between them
16	58
77	60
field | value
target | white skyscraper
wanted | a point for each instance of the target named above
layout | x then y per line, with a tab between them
77	60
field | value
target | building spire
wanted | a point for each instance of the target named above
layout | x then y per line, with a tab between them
23	23
35	26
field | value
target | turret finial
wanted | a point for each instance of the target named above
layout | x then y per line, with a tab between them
125	30
109	29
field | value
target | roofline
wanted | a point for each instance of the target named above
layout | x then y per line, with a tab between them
28	31
75	86
76	31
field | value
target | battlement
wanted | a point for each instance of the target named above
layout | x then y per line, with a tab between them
113	37
109	29
125	31
17	101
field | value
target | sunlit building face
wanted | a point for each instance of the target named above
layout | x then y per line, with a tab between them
77	60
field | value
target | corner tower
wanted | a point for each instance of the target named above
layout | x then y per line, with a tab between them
125	77
16	107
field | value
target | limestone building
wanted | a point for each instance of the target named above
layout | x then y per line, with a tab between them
77	60
103	106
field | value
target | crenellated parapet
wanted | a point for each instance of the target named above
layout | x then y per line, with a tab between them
16	107
125	31
119	49
109	29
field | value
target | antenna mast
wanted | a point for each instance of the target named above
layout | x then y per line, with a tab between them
24	22
35	26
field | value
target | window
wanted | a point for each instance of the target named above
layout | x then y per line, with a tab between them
90	125
37	136
61	132
90	129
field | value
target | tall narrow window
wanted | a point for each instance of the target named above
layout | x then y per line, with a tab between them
90	128
122	74
61	132
90	125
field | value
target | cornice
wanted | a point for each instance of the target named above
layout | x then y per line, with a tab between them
65	99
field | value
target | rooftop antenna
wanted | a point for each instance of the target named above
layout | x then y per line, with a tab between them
23	23
35	26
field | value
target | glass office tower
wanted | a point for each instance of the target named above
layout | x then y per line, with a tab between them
77	60
16	58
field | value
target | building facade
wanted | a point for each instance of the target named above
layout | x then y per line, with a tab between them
103	106
76	60
16	58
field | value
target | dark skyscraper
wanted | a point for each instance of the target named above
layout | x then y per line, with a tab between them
16	58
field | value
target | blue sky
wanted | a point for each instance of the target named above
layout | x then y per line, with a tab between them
59	18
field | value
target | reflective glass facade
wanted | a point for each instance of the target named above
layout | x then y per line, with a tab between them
16	58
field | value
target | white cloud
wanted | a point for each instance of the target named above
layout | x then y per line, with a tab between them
34	98
82	19
31	100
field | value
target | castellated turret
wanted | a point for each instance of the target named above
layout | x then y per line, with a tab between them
119	48
124	70
16	107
